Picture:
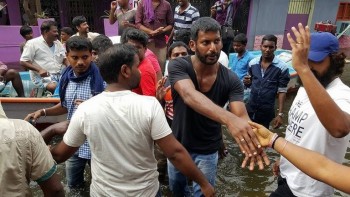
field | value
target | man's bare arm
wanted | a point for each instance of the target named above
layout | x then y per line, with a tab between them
52	111
238	127
62	152
30	66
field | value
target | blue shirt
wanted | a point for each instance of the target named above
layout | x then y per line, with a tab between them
266	84
240	65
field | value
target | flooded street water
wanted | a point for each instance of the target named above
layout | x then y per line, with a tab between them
232	180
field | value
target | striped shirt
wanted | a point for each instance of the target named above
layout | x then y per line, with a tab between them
185	19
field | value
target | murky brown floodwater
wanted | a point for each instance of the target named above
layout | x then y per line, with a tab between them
232	180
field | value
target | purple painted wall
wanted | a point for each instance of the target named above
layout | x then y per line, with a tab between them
10	40
293	20
14	12
110	30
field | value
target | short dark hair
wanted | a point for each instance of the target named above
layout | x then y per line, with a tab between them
46	26
183	35
241	38
25	30
67	30
269	37
112	60
101	43
134	34
78	43
177	44
204	24
78	20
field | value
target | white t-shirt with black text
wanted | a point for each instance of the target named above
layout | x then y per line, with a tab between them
305	129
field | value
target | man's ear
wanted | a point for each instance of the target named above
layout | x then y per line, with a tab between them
125	71
193	45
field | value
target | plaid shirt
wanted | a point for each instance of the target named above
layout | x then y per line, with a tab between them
80	90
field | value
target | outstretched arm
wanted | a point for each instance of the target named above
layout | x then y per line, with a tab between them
237	126
52	111
28	65
319	167
335	120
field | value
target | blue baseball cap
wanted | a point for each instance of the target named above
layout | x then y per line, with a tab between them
321	45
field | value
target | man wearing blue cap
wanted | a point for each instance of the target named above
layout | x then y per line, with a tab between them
319	116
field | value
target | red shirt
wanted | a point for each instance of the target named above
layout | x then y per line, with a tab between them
148	79
153	59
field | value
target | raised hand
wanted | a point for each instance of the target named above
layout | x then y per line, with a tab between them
114	5
161	90
300	47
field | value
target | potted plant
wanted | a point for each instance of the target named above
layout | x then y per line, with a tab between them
41	17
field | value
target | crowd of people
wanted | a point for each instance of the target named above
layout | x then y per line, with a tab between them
150	108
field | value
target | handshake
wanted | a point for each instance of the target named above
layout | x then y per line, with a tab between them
265	136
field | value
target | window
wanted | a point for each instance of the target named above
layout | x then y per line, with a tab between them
343	12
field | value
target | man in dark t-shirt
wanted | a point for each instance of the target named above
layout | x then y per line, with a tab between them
200	88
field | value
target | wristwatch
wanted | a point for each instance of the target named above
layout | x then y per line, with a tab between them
281	114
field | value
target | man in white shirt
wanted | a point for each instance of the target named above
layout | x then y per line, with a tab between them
45	57
25	157
80	23
121	128
319	116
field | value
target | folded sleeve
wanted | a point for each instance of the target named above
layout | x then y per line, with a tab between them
42	164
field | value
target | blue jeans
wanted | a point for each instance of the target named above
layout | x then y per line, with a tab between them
159	193
75	171
263	117
178	183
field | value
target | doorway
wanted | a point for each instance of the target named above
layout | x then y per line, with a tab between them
298	12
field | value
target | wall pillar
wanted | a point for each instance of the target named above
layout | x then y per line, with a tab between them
14	13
